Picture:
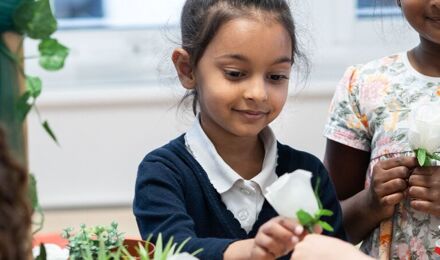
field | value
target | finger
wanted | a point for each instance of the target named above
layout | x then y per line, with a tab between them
259	253
392	199
271	245
291	225
421	193
399	172
391	187
424	206
417	179
408	162
317	229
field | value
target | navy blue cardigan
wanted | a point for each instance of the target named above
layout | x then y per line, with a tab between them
175	197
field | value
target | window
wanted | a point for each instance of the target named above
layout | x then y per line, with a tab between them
376	8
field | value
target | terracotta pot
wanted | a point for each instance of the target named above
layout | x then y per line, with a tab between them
133	244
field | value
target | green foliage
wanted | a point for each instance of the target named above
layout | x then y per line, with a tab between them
52	54
35	19
308	221
42	255
424	158
92	241
106	243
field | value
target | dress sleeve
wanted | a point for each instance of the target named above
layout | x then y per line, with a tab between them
346	123
159	207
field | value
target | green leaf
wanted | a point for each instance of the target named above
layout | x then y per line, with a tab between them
324	212
421	156
52	54
42	255
435	157
49	131
304	217
33	85
32	191
326	226
35	19
23	107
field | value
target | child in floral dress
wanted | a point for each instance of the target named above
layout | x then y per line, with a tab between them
389	202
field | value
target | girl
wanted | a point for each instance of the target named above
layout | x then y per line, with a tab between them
15	212
209	183
367	130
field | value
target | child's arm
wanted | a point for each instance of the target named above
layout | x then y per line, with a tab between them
322	247
274	239
363	209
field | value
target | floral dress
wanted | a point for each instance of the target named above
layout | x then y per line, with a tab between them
369	111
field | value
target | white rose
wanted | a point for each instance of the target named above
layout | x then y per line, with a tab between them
291	193
183	256
424	127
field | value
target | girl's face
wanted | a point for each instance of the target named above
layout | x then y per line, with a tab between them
424	17
242	77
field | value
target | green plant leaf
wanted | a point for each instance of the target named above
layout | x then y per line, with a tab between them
33	85
421	156
35	19
326	226
324	212
52	54
49	131
23	107
304	218
32	191
43	254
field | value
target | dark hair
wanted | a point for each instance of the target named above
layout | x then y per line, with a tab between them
201	19
15	212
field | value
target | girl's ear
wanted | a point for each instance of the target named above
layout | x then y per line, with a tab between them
183	67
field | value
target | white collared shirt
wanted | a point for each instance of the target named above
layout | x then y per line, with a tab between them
244	198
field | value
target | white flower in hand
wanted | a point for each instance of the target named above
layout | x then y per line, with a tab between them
292	196
292	192
424	132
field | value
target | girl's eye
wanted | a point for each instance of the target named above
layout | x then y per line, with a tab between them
234	74
275	77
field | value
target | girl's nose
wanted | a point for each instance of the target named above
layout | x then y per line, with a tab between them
256	90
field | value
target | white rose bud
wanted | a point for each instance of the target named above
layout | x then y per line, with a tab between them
291	193
424	127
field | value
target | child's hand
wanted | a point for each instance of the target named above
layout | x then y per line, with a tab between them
388	184
276	238
322	247
424	189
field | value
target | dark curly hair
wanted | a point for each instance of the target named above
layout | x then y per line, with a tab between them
15	211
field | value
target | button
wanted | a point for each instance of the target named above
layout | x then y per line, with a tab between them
243	215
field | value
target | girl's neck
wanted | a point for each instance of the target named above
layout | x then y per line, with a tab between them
245	155
425	58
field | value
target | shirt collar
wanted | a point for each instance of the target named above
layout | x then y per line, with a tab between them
221	175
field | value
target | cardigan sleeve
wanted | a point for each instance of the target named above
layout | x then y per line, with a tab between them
159	207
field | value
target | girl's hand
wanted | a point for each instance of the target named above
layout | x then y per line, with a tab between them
388	184
322	247
276	238
424	189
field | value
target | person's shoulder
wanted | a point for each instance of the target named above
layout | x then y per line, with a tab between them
381	65
167	153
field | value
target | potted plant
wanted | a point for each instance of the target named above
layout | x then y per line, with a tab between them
106	242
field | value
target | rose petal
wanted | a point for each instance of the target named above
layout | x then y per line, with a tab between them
292	192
